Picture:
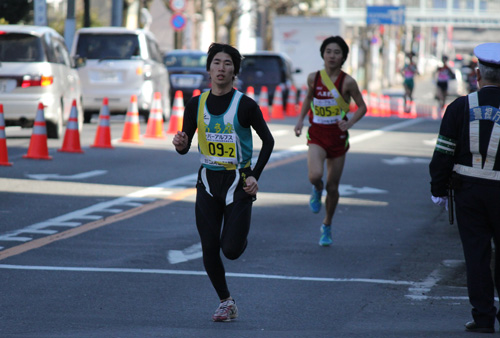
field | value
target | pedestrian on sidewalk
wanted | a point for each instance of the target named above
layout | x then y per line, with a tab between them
467	160
227	185
327	101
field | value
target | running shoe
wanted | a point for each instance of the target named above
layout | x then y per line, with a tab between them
226	311
315	200
326	235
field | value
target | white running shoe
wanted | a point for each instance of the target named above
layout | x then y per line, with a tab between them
226	311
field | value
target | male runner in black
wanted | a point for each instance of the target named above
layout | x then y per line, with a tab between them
227	185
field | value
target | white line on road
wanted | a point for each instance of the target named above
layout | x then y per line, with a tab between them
202	273
378	132
79	176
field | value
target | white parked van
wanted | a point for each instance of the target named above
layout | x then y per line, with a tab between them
116	63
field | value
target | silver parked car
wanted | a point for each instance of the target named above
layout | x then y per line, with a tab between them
35	67
116	63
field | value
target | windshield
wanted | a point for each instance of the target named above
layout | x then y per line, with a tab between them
186	60
261	68
108	46
18	47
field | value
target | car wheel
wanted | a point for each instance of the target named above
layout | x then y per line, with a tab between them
55	128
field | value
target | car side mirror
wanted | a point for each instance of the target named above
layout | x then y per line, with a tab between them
79	61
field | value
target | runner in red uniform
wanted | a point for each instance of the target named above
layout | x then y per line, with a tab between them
329	93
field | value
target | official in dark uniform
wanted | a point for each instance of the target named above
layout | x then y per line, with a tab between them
467	159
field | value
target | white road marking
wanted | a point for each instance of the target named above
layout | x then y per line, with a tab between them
79	176
404	160
378	132
180	256
431	142
203	273
347	189
419	290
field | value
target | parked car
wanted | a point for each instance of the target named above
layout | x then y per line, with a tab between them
268	69
35	67
116	63
187	71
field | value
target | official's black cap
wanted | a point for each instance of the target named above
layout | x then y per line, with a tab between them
488	54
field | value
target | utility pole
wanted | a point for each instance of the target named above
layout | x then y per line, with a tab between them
117	13
70	24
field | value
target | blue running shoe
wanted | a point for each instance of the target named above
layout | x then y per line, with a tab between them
326	235
315	200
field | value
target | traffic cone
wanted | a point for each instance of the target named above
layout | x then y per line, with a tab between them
131	128
277	108
103	134
155	121
71	143
291	102
264	103
196	92
38	143
434	113
4	156
302	97
413	110
250	92
177	114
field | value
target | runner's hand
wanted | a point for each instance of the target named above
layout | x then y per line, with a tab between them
180	140
298	128
251	187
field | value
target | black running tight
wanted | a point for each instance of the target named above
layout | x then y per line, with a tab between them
212	216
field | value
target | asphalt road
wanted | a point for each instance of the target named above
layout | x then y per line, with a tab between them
104	244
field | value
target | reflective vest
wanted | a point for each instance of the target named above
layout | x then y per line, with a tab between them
478	169
222	142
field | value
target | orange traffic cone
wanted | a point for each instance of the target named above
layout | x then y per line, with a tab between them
4	156
103	134
291	102
155	121
38	143
177	114
196	92
131	128
277	108
264	103
413	110
250	92
71	142
302	97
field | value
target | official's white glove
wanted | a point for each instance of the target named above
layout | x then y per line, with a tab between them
441	201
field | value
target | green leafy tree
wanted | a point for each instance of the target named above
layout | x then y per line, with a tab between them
15	11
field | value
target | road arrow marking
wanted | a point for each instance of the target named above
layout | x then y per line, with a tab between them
180	256
347	189
404	160
79	176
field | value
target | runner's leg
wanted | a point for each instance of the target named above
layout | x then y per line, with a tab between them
209	213
335	167
315	162
237	217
